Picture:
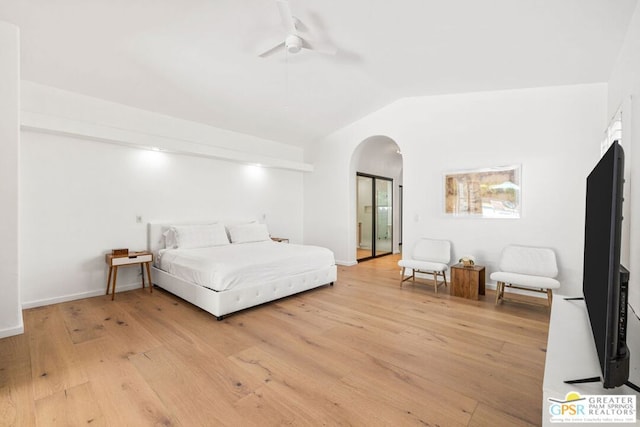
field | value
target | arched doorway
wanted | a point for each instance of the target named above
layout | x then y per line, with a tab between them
377	166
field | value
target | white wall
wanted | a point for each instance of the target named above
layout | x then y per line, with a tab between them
624	92
10	312
553	132
79	198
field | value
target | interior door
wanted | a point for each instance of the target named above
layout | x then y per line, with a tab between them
365	217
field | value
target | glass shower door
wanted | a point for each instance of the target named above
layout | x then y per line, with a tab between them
384	217
374	216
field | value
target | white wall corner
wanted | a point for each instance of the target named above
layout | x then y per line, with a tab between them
10	309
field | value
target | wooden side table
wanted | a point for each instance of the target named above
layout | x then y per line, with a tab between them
133	258
467	282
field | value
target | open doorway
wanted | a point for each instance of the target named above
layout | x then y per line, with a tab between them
377	172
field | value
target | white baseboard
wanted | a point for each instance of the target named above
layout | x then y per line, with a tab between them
81	295
9	332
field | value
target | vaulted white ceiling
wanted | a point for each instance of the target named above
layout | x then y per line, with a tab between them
196	59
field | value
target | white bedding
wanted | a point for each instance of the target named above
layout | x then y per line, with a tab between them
245	264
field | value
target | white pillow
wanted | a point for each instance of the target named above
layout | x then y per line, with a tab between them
199	236
170	239
249	233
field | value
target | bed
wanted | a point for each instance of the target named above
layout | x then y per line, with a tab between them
225	267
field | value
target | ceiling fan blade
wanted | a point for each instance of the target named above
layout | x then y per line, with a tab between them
268	49
287	18
319	47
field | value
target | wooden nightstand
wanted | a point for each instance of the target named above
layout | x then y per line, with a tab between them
133	258
467	282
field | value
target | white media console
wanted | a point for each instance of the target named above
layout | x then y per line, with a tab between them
571	355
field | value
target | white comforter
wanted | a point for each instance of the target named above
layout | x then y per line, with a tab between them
225	267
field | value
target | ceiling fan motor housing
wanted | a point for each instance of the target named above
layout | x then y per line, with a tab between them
293	43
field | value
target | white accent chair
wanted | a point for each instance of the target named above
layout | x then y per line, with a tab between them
527	268
429	256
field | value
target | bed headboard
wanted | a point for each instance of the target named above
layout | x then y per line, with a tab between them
155	238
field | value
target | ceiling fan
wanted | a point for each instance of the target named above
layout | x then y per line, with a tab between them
293	41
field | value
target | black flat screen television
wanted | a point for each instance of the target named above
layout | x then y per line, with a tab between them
605	281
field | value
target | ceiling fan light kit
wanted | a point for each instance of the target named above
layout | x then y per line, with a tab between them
293	43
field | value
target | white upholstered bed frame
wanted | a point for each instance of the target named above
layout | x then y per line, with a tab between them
222	303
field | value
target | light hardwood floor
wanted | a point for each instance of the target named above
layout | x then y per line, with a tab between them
363	352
